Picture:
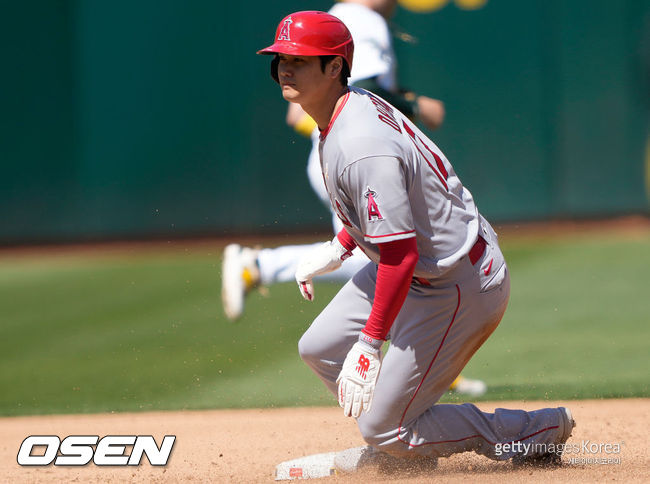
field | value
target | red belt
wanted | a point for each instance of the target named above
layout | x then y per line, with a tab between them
475	253
477	250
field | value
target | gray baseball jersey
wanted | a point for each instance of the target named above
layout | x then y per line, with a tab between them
388	181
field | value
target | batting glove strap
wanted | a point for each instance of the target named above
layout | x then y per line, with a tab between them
374	343
358	377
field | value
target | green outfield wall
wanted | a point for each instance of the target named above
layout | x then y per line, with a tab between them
155	118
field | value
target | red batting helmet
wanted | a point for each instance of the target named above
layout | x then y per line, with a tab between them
311	33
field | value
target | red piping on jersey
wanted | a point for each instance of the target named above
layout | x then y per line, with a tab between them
442	180
323	134
388	235
413	136
399	431
439	163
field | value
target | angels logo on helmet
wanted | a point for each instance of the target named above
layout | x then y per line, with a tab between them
285	32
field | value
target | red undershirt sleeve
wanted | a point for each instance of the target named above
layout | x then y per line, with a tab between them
346	240
397	260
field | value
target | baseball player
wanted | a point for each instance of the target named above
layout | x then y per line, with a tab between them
374	69
437	284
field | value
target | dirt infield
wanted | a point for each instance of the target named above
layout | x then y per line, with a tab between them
245	445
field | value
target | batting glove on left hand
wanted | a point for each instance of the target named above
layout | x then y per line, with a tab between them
358	378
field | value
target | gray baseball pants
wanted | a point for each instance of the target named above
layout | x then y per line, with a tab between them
438	329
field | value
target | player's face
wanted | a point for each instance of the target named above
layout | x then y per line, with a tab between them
301	77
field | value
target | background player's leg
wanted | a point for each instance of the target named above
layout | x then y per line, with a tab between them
279	264
245	268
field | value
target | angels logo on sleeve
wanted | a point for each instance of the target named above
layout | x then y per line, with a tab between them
374	214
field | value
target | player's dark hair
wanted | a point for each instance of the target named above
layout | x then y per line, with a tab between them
274	68
324	60
345	71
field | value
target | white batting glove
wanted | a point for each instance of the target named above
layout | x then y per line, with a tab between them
358	378
323	259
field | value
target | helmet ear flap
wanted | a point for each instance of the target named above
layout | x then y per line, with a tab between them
274	68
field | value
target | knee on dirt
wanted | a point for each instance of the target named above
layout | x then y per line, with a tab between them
381	434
